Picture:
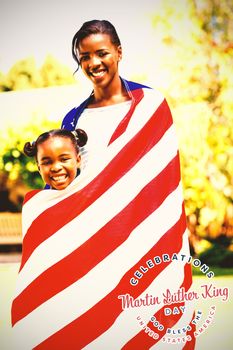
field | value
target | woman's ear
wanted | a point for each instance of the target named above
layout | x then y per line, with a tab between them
119	49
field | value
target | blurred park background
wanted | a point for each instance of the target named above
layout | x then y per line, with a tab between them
184	48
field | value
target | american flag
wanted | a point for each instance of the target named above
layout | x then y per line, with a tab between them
100	239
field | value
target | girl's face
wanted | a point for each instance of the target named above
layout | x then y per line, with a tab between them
57	162
99	59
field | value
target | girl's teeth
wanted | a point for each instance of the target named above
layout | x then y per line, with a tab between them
59	178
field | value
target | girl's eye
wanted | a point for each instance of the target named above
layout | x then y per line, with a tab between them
45	162
64	159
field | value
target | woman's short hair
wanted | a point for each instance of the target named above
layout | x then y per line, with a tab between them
94	27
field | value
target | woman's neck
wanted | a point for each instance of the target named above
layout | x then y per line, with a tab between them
112	94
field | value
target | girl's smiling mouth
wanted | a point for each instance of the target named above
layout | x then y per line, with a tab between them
59	178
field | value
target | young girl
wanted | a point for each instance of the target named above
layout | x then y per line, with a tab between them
57	156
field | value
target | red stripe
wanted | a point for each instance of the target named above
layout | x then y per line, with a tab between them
101	316
137	97
29	195
55	217
106	240
142	340
191	344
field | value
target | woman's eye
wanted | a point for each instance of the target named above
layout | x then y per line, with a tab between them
102	54
84	58
64	159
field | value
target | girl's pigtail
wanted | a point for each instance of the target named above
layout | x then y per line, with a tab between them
30	149
80	136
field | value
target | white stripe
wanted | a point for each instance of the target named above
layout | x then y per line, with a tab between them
75	300
45	199
48	198
144	110
58	246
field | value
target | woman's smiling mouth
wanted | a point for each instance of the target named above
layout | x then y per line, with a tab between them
98	74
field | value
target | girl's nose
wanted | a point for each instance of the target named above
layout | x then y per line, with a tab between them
56	167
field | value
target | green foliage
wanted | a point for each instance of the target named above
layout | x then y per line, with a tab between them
217	255
195	40
54	73
25	75
13	162
218	271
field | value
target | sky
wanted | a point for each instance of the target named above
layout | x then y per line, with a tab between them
37	28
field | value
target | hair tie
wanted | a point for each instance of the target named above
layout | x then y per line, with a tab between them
80	137
75	134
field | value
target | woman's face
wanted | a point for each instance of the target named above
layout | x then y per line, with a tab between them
58	162
99	59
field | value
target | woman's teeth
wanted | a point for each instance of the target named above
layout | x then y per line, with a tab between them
98	74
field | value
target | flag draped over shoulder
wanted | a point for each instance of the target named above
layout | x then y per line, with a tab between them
98	255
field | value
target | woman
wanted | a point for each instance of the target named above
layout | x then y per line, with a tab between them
120	250
96	47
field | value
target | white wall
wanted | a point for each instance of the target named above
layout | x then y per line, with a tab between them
20	107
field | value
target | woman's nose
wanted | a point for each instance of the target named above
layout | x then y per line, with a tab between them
95	61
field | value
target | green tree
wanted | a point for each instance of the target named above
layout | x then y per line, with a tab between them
193	65
54	73
26	75
17	171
